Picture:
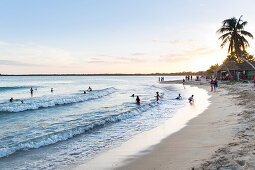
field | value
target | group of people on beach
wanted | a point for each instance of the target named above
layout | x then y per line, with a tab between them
188	77
214	84
161	79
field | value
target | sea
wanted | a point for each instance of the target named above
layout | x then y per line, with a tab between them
65	127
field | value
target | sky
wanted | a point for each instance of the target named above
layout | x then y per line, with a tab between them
115	36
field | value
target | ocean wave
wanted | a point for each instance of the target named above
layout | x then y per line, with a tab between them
44	102
8	88
67	134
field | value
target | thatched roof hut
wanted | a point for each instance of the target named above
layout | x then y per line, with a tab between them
235	71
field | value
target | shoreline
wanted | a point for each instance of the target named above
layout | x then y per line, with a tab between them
218	138
142	143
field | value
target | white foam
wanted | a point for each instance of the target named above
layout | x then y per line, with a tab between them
45	101
64	135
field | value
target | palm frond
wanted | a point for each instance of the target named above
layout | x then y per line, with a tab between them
224	42
224	36
242	25
224	29
246	33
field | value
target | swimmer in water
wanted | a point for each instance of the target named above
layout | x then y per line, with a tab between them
89	89
179	97
133	95
31	90
51	90
11	99
137	100
22	101
84	92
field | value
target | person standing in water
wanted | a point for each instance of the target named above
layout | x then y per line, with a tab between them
31	91
157	96
89	89
137	100
51	90
133	95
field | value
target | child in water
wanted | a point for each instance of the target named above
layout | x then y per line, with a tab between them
191	99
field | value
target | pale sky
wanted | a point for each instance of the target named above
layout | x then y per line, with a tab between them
115	36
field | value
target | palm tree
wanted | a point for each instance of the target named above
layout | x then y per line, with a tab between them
234	34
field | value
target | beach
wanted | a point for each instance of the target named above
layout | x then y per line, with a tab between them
221	137
215	131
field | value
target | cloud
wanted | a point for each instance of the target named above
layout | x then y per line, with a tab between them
17	63
138	54
95	60
129	60
34	54
175	42
188	54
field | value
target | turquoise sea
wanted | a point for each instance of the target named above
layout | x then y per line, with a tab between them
59	129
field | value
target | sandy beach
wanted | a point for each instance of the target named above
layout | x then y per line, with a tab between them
221	137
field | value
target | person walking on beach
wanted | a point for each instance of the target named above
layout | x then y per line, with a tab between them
137	100
157	96
215	84
191	99
254	81
211	84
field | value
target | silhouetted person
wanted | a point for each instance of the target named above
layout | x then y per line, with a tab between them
89	89
31	90
11	99
84	92
51	90
133	95
157	96
137	100
22	101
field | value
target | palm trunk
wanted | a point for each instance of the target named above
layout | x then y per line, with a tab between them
247	61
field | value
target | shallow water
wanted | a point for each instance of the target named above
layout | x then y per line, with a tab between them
67	127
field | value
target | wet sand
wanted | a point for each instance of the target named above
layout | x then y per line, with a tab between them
197	142
222	137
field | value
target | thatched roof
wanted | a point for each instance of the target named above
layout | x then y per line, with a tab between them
230	65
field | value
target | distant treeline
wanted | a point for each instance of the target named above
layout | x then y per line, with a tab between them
151	74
